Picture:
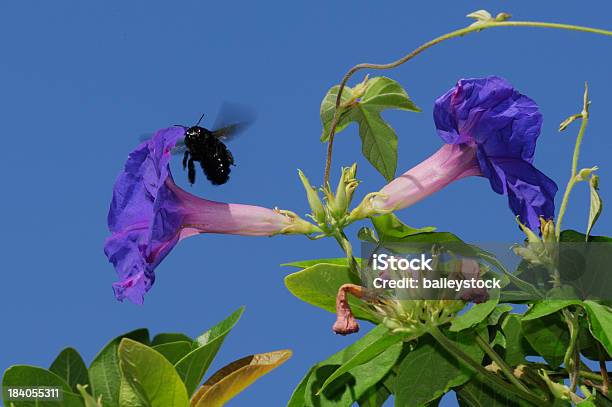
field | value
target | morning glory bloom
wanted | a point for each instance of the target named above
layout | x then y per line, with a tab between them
150	214
490	130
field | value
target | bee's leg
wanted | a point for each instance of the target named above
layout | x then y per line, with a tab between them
191	173
185	158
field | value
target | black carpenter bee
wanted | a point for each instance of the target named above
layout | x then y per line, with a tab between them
208	146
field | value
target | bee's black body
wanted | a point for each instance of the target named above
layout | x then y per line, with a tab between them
214	157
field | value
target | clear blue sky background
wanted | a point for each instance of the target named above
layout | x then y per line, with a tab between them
82	80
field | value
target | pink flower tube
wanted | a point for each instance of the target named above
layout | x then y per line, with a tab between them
450	163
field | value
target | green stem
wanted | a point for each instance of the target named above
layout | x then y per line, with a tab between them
506	370
454	34
572	181
347	248
602	369
583	373
455	351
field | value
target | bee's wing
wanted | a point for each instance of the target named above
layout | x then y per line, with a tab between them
232	120
179	147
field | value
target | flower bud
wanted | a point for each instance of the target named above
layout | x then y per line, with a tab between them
360	89
527	254
338	204
296	225
558	390
316	206
532	238
585	173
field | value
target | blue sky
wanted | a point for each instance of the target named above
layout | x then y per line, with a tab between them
82	80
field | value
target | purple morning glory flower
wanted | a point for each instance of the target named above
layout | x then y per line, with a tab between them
149	214
490	130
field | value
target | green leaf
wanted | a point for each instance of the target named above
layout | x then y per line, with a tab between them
375	396
104	372
328	107
350	386
365	234
596	203
600	321
163	338
384	93
318	285
363	356
297	397
363	104
128	396
193	366
546	307
70	366
230	380
476	393
517	346
430	370
378	141
151	376
32	376
390	228
476	314
342	261
572	236
87	398
497	313
174	351
548	336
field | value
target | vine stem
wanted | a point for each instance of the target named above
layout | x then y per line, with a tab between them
602	369
584	115
453	34
484	345
455	351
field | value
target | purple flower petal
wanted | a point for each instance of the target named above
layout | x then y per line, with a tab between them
530	193
503	126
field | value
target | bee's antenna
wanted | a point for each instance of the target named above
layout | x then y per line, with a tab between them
201	117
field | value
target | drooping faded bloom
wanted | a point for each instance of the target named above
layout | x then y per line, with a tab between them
150	214
490	130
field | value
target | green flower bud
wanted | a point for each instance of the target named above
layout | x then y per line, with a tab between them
297	225
532	238
558	390
338	204
527	254
585	173
316	206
